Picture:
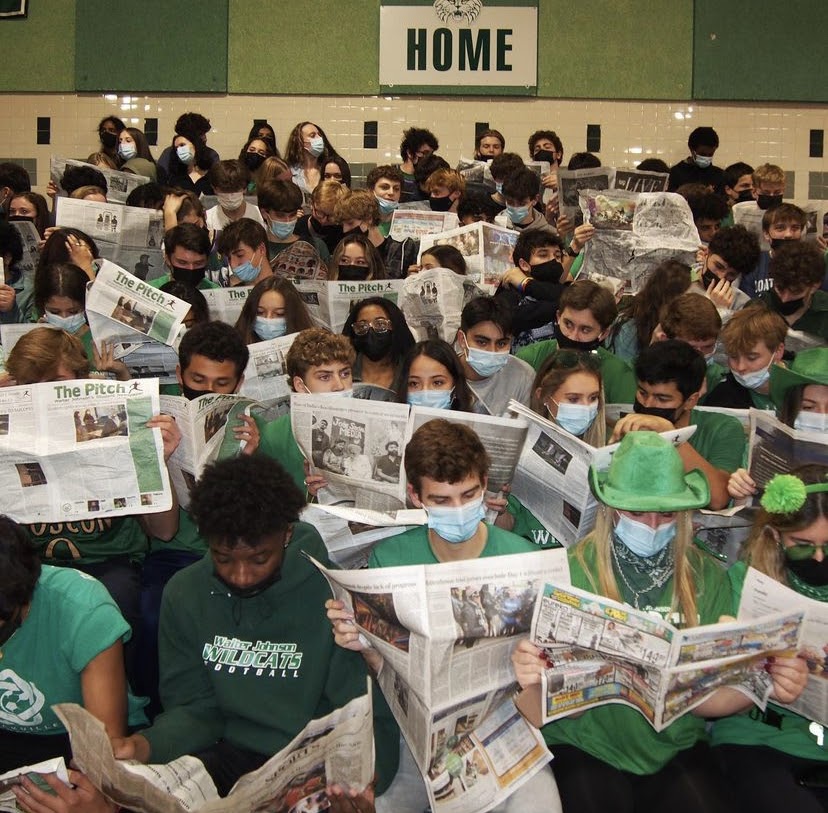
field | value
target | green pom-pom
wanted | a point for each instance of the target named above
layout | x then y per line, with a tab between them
784	494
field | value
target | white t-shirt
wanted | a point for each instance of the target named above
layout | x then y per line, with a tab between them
217	220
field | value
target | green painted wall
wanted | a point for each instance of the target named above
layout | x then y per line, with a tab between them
39	50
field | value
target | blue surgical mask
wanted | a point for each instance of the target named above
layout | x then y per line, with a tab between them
643	540
484	362
517	214
316	146
281	228
575	418
246	272
270	328
436	399
456	524
387	206
185	154
811	422
754	380
127	151
71	324
703	161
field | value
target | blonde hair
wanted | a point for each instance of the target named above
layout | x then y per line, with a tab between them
38	354
769	173
751	325
328	194
450	178
358	205
83	192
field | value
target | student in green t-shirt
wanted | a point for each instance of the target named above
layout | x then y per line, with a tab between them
186	252
641	552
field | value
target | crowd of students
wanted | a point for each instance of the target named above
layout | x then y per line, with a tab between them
166	606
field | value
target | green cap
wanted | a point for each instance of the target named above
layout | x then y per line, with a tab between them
647	474
809	367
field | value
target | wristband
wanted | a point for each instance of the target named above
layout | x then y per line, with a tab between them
523	284
571	251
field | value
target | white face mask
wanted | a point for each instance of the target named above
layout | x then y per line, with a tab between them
230	201
811	422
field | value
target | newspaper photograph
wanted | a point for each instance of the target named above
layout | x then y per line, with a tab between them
476	172
265	377
31	247
603	651
128	236
762	595
571	182
445	633
486	248
299	261
415	223
357	445
206	424
635	232
335	749
119	184
636	180
81	449
225	304
433	300
329	303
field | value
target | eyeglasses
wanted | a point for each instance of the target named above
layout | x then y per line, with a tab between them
379	325
799	553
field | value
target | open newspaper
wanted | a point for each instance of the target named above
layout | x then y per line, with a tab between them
635	232
446	633
265	377
119	184
76	450
603	651
141	322
225	304
551	476
762	595
329	303
129	236
8	801
337	748
433	300
486	248
572	181
415	223
636	180
206	424
476	172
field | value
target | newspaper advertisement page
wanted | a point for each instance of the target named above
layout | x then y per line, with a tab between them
415	223
433	300
571	182
486	248
81	449
762	595
128	236
446	633
337	748
225	304
357	445
206	424
636	180
635	232
603	651
329	303
119	184
265	377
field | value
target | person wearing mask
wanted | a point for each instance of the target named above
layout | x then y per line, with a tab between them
229	180
279	203
243	244
385	182
433	377
417	144
134	152
195	127
189	164
273	308
445	188
109	129
320	227
307	153
355	259
488	144
698	167
186	249
521	191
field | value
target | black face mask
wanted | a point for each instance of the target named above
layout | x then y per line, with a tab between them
253	160
109	140
550	271
191	394
440	204
329	230
565	343
253	589
778	242
768	201
786	308
191	276
668	413
745	196
20	219
373	345
352	273
810	571
708	279
545	155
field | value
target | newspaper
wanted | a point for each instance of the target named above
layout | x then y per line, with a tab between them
446	633
636	180
572	181
337	748
31	247
329	303
128	236
143	323
776	448
603	651
551	477
225	304
10	334
413	223
433	300
119	184
635	232
76	450
299	261
798	340
206	424
476	172
749	215
8	801
762	595
486	248
265	377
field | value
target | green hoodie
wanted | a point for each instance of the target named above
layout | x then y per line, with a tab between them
254	671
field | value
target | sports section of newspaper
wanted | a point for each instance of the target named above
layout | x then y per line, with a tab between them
335	749
446	633
78	450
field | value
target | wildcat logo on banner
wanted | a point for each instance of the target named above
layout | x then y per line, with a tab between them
13	8
459	46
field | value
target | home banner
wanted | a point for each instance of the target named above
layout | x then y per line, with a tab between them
459	46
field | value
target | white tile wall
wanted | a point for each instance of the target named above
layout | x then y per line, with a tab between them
631	131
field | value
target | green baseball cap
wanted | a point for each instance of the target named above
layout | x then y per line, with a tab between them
646	473
809	367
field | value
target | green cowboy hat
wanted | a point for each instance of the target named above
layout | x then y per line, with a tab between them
647	474
809	367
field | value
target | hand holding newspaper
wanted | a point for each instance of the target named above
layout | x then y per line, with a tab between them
8	801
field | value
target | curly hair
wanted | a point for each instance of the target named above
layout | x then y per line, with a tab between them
415	137
796	265
316	346
737	247
217	341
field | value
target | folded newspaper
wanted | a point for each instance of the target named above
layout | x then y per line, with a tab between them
445	633
8	801
337	748
603	651
329	303
79	450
